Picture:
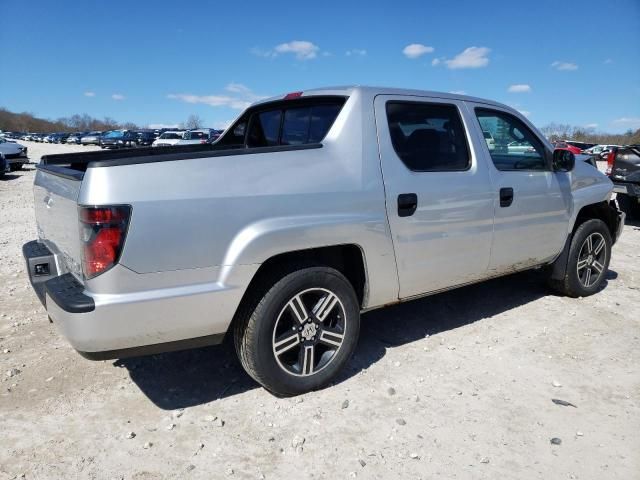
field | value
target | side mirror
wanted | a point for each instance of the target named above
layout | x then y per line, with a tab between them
563	161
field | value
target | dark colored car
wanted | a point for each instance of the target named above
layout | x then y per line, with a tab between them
3	165
146	138
119	139
623	167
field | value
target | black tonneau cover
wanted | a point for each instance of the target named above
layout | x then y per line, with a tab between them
131	156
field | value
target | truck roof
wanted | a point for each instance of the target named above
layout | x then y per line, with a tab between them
348	90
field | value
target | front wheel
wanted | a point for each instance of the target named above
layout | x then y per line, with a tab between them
588	261
301	331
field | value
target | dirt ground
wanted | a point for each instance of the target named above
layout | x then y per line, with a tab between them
457	385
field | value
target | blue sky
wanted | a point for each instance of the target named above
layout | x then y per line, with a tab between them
158	62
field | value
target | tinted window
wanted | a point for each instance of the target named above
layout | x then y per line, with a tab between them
515	147
295	122
195	135
264	129
428	137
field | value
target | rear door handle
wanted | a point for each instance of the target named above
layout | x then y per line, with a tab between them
506	196
407	204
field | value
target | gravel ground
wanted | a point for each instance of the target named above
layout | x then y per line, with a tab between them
458	385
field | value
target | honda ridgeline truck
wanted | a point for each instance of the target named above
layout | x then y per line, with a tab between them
310	209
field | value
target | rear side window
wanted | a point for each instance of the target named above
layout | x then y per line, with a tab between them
264	129
428	137
298	122
515	147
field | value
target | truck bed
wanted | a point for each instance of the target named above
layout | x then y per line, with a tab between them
78	163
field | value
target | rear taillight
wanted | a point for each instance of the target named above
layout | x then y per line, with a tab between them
610	159
102	233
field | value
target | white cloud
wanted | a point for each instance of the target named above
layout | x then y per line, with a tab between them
472	57
239	97
416	50
435	62
118	96
458	92
628	122
302	49
591	126
564	66
526	113
355	52
89	94
519	88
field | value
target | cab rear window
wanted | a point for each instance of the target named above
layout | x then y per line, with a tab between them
295	122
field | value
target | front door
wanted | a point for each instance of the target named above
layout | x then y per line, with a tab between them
439	196
532	202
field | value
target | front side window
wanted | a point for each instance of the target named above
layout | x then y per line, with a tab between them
514	146
428	137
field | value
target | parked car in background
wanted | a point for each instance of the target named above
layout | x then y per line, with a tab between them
168	139
623	167
311	208
146	138
14	153
4	166
91	138
119	139
566	146
75	138
194	137
491	143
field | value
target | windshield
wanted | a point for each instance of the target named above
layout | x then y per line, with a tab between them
114	134
170	136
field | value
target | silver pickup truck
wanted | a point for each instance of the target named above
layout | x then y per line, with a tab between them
310	209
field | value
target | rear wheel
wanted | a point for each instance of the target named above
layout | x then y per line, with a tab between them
301	331
15	166
588	261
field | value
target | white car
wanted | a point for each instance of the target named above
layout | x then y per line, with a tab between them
599	149
491	143
168	139
195	137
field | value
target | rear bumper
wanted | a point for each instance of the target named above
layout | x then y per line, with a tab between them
631	189
156	320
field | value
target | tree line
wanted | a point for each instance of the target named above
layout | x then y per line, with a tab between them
561	131
27	122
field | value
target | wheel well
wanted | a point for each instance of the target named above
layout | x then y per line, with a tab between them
347	259
601	211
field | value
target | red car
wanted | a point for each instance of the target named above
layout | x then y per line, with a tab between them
566	146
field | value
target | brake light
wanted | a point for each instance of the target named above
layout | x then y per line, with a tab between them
102	233
292	95
610	159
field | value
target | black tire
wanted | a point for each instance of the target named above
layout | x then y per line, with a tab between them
268	315
15	167
577	282
629	205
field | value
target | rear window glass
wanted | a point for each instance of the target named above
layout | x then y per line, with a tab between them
428	137
298	122
170	136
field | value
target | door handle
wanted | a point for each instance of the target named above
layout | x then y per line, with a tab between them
506	196
407	204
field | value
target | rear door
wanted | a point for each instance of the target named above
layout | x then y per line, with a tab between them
532	203
438	192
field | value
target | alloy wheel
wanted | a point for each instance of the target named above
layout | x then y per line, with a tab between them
309	332
591	260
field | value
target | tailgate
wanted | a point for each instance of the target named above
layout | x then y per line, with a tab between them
626	165
56	208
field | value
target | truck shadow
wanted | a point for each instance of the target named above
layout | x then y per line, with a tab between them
194	377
